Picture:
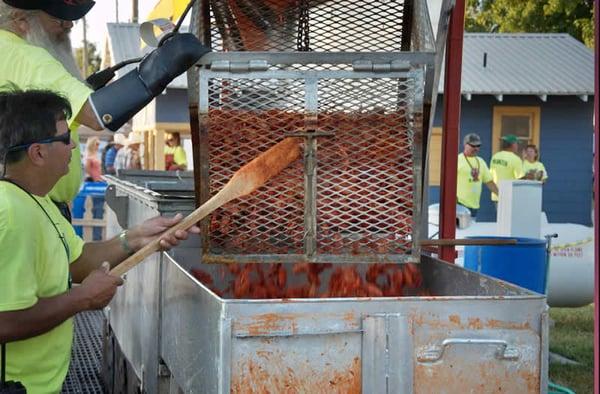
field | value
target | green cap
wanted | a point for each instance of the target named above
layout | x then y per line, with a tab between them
510	138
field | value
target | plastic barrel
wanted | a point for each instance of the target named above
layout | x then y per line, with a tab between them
97	191
523	264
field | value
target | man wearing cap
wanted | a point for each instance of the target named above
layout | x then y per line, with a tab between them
506	164
471	174
36	53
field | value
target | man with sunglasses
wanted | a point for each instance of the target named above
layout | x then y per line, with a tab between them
36	53
471	174
41	252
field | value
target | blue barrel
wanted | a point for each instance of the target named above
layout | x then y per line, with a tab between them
96	190
524	264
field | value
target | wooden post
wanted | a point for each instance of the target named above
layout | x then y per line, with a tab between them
159	150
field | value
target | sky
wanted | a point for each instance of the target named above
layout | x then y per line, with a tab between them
104	12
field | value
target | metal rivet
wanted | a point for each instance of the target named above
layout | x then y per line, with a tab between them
107	118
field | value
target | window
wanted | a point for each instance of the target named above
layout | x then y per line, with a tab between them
524	122
435	156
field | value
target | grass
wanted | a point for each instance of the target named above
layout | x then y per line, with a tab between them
573	337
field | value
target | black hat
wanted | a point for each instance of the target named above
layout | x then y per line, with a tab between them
68	10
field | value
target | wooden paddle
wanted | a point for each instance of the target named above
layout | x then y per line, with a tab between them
247	179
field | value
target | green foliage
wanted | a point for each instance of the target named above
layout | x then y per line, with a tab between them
94	59
574	17
573	337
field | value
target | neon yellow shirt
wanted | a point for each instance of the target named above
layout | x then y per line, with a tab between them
33	265
32	67
179	156
468	190
505	165
536	166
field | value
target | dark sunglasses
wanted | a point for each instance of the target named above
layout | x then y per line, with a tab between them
64	138
474	146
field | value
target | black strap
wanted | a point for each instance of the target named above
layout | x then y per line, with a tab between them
3	366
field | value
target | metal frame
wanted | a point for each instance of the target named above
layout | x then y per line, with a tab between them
311	78
451	132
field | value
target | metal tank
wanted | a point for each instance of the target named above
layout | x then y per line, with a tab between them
357	80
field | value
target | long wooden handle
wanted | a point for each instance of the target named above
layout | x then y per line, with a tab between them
193	218
482	241
247	179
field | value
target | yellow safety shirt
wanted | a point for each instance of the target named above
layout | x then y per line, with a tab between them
535	166
505	165
31	67
471	174
179	156
34	264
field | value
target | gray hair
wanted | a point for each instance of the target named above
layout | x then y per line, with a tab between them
9	14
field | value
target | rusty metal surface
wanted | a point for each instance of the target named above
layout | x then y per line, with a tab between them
494	335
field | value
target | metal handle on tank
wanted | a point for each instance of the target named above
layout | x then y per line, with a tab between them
435	353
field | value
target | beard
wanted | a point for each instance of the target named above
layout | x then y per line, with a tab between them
59	48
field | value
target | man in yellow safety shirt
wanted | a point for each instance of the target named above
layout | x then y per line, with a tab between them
40	250
472	172
36	53
506	164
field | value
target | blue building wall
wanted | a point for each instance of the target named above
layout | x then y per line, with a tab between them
172	107
566	141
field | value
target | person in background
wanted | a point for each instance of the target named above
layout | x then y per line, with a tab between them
506	164
41	254
133	160
471	174
175	157
110	153
532	167
93	169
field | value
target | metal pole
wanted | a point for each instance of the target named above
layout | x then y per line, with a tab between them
450	126
85	56
597	196
117	11
134	11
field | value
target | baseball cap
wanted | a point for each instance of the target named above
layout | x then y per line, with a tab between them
68	10
510	138
472	139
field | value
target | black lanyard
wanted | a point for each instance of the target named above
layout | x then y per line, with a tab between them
60	235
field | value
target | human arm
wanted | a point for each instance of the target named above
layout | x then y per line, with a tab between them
87	117
492	186
95	292
113	251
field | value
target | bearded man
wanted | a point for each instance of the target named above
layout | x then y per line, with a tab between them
36	53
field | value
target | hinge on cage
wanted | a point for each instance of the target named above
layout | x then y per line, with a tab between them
239	67
369	66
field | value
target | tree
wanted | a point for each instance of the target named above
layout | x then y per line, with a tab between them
574	17
94	59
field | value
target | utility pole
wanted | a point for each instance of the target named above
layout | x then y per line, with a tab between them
85	59
134	11
117	11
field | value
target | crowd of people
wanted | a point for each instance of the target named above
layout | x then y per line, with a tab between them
506	164
123	153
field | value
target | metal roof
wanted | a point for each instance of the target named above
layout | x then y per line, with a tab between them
518	64
123	41
525	64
